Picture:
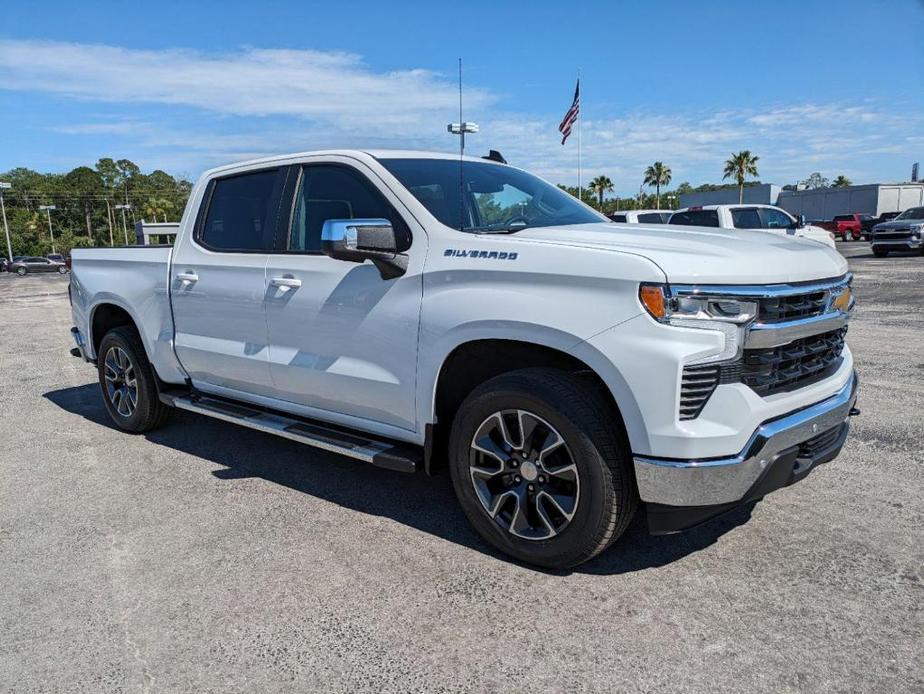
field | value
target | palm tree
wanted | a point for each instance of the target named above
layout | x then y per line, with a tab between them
657	175
739	166
841	182
601	185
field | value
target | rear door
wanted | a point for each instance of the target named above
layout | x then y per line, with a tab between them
218	283
342	340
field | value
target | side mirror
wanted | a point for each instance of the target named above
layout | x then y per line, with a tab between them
800	221
357	240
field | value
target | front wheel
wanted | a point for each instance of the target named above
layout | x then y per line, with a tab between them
539	468
62	270
21	271
127	380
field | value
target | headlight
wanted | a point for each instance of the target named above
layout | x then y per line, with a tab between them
727	315
657	300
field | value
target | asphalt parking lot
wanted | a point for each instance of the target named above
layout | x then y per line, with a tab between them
213	558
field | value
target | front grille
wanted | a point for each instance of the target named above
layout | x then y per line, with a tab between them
886	235
785	308
819	444
794	365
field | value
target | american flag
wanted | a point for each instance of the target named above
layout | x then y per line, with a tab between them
572	115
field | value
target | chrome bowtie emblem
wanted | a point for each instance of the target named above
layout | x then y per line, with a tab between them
814	428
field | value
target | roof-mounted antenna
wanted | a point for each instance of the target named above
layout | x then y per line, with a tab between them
460	129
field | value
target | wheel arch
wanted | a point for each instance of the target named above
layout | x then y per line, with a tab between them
474	361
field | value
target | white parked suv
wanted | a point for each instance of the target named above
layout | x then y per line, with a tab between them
641	216
751	217
418	314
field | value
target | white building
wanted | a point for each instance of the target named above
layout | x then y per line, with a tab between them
874	199
156	233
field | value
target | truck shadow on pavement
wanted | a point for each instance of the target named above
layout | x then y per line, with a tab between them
425	503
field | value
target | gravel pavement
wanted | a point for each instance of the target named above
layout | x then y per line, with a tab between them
207	557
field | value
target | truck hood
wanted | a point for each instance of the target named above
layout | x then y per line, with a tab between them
698	255
900	224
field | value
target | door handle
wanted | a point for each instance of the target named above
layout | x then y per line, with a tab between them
286	282
187	277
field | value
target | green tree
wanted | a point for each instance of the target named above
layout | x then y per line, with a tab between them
816	180
841	182
601	185
657	175
739	166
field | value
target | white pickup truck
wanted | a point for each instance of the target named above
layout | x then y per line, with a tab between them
767	218
418	312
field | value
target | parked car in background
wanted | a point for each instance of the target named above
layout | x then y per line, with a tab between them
641	216
850	226
25	265
868	224
3	263
904	233
367	304
752	217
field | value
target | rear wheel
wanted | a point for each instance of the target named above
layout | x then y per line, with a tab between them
880	252
128	382
62	270
539	469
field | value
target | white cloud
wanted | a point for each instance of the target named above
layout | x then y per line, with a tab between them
271	100
304	84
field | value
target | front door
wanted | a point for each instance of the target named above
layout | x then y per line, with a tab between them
342	340
218	284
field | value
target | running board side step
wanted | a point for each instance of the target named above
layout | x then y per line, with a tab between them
384	454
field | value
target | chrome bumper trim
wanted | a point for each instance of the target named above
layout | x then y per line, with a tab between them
775	334
80	342
708	482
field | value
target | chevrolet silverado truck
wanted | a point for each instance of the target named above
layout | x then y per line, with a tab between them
904	233
415	311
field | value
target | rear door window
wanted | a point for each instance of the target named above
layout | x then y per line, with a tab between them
621	218
696	218
651	218
242	212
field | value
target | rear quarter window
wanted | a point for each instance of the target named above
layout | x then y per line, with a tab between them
621	218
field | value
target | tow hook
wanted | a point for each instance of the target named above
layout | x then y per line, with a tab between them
854	411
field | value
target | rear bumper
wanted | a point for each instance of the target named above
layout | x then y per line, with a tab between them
683	493
81	345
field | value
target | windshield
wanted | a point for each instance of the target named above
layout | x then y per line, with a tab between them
912	213
494	198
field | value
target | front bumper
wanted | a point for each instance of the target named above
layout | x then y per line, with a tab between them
907	243
683	493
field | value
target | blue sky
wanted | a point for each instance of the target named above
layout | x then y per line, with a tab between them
834	87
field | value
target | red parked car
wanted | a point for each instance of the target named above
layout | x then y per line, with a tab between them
850	224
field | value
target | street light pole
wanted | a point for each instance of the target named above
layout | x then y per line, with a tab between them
48	209
124	225
6	228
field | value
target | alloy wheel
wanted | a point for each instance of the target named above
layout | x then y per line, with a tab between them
524	474
121	383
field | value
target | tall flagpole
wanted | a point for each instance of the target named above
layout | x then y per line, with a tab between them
580	129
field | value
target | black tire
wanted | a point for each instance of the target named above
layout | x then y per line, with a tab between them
880	252
147	412
584	419
62	270
21	271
